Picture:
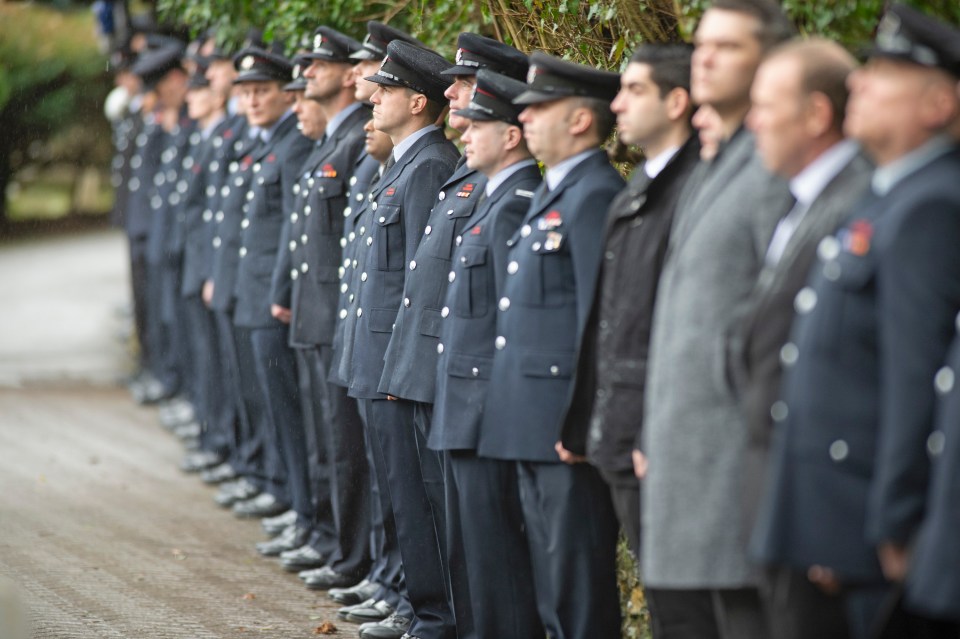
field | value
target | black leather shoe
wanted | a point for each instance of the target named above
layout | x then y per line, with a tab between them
263	505
326	578
369	611
393	627
218	474
302	558
407	635
233	492
202	460
291	538
354	594
273	526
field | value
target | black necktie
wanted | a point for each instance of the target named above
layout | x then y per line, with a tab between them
390	162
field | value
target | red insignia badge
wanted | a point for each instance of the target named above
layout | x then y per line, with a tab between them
550	221
271	158
228	134
328	171
466	190
391	190
856	238
475	230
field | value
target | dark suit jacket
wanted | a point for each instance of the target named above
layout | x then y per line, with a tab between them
225	230
276	168
543	312
850	464
355	235
416	332
307	280
469	310
605	417
400	204
210	172
144	164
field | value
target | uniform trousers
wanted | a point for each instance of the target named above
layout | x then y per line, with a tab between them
175	322
404	453
285	446
138	287
250	457
734	613
572	532
341	434
162	359
483	508
798	609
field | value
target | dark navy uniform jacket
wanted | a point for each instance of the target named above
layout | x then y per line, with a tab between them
165	198
276	168
416	332
849	459
551	275
307	277
479	270
400	205
210	170
144	164
355	234
933	586
227	219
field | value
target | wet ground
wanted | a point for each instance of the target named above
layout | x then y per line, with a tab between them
99	531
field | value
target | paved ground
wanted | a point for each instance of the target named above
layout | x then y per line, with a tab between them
102	535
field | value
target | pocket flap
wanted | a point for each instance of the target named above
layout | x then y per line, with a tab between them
387	214
328	188
382	319
430	322
469	366
473	256
547	364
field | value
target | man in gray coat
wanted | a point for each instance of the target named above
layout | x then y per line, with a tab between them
799	97
699	581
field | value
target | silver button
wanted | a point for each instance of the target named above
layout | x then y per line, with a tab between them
805	301
293	245
936	442
307	210
450	212
363	230
304	238
413	265
249	195
525	230
452	276
304	267
500	342
789	354
442	196
353	264
293	218
343	313
260	181
779	411
294	274
382	219
427	230
374	206
359	312
444	311
219	218
609	255
475	371
463	259
839	450
459	240
439	349
216	242
504	303
944	379
359	197
513	267
311	182
346	262
211	191
238	182
406	302
353	180
256	167
369	241
536	246
207	215
363	277
352	236
296	189
554	370
224	191
828	249
344	287
243	251
347	211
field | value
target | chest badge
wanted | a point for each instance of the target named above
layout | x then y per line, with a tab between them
328	171
855	239
466	190
553	241
390	191
550	221
475	230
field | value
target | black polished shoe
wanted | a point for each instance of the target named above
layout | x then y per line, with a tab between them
201	460
302	558
293	537
263	505
235	491
326	578
369	611
273	526
218	474
393	627
354	594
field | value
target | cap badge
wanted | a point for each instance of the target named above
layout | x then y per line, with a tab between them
531	74
318	41
247	63
459	58
889	37
296	71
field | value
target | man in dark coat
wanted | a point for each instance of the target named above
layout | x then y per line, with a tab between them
552	269
604	421
799	98
850	462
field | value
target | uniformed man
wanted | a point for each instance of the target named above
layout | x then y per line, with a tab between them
482	497
276	166
414	343
604	421
874	323
407	105
553	264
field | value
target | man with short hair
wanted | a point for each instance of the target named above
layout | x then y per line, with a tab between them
698	578
604	421
407	104
553	263
799	98
873	328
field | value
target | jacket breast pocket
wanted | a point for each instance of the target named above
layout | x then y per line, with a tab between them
548	364
851	272
382	320
473	292
389	238
327	204
455	219
554	268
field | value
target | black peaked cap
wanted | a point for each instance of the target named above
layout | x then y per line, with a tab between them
379	35
493	98
416	68
909	35
551	78
475	52
256	65
331	45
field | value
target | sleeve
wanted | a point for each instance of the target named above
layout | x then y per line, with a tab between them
918	298
586	245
